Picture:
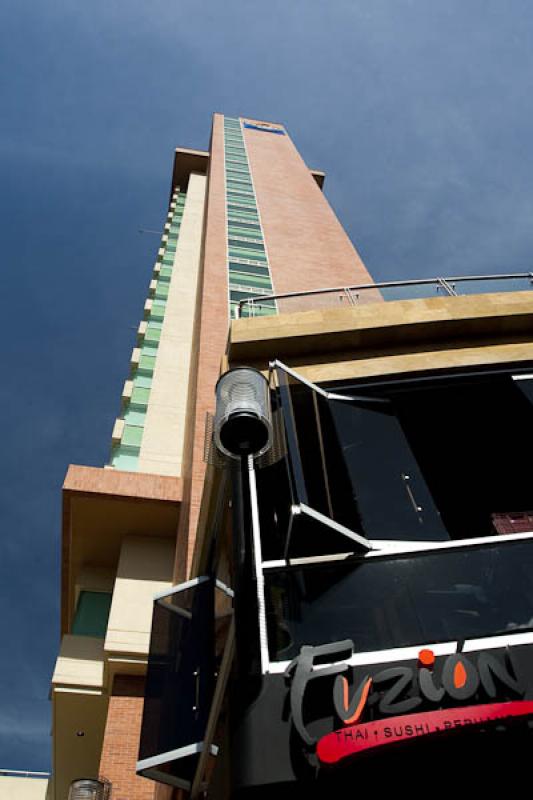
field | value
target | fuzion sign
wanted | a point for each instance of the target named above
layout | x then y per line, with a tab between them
398	691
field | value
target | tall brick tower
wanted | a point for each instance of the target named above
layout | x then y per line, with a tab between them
245	219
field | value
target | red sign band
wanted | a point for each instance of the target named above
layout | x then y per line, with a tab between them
336	746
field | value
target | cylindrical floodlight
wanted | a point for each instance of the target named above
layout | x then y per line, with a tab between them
243	417
89	789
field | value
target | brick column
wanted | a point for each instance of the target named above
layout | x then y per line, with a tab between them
121	741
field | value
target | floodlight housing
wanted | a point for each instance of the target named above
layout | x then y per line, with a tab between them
243	416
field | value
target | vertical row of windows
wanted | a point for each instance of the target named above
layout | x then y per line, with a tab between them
125	454
249	273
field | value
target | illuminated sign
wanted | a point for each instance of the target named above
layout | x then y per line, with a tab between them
399	690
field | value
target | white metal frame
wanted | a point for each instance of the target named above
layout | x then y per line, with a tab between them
379	549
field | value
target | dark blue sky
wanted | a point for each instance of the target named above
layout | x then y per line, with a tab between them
419	112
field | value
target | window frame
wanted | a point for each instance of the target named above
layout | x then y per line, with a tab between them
383	549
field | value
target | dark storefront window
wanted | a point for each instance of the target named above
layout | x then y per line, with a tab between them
433	460
189	629
376	484
382	603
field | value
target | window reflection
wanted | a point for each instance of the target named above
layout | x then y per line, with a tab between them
398	602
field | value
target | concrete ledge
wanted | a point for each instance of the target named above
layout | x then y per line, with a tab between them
382	326
117	483
80	662
103	506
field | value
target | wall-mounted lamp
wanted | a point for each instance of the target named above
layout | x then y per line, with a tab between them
243	416
89	789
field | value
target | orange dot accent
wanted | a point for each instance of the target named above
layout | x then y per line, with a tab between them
426	657
459	675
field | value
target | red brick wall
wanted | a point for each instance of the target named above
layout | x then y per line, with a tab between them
213	334
307	246
121	741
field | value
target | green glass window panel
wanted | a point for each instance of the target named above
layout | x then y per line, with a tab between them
244	221
244	183
251	280
232	186
142	381
153	334
126	458
243	214
149	349
239	176
158	309
257	311
256	246
241	252
134	416
241	182
140	395
161	290
255	269
242	200
234	230
170	247
147	363
247	211
132	435
235	207
237	193
234	169
92	613
239	294
240	162
168	259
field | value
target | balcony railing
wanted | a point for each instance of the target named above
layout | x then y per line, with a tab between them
360	294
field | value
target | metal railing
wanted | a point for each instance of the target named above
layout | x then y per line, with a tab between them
23	773
363	293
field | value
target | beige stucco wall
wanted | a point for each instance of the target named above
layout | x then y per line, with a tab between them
22	788
145	568
79	706
78	723
80	662
162	443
